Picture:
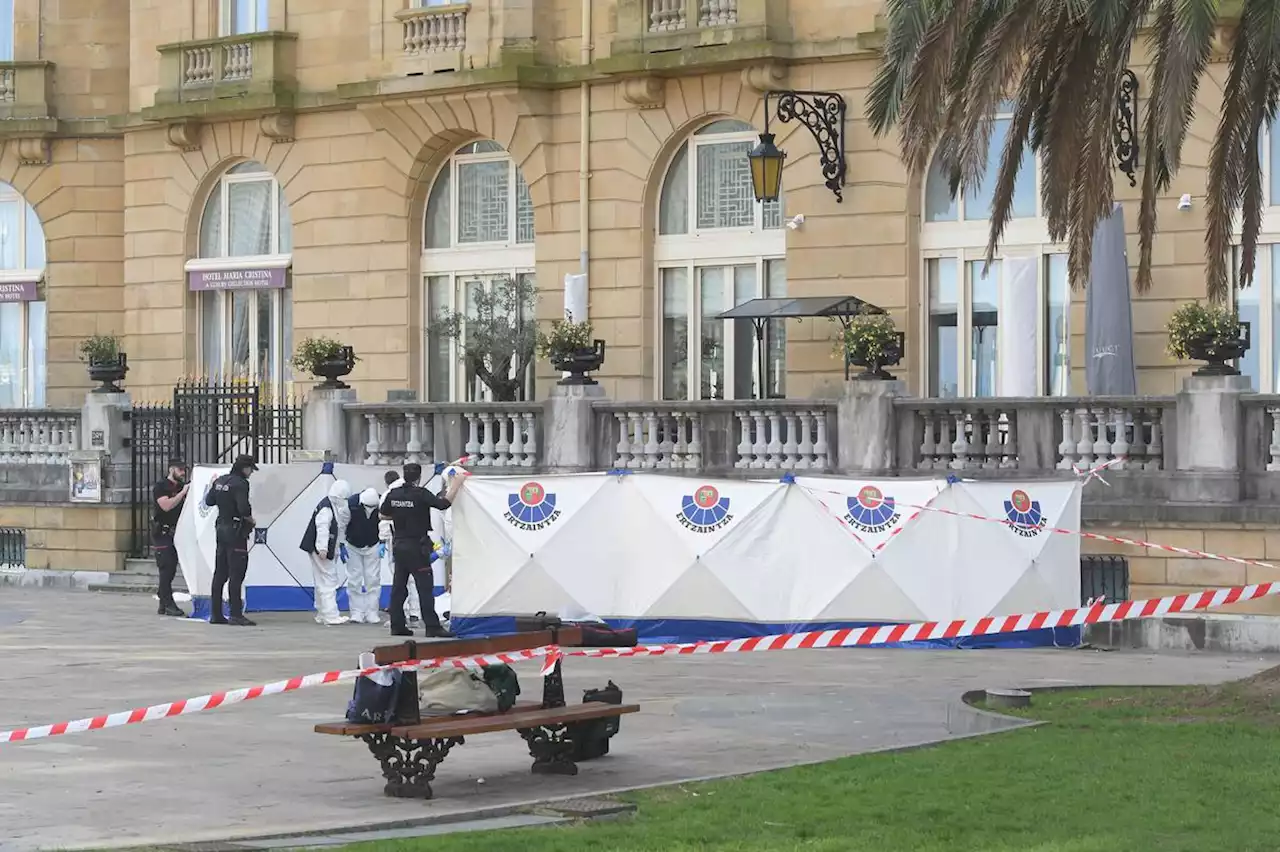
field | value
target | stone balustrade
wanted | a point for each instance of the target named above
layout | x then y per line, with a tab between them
434	29
496	436
715	436
674	15
1034	434
38	436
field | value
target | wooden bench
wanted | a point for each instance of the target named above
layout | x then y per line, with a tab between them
410	749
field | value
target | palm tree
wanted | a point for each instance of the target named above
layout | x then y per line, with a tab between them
948	64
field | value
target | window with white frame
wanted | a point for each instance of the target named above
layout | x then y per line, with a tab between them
238	17
246	333
23	312
6	30
477	234
717	247
1025	288
1259	303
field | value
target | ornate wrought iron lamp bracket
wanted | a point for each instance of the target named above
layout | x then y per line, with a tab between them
824	114
1126	126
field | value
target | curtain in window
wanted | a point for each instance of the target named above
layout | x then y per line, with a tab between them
37	353
241	306
11	395
745	288
436	228
675	333
211	331
944	315
249	213
211	225
673	207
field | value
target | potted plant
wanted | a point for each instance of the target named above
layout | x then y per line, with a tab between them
107	364
1209	333
872	342
327	359
571	349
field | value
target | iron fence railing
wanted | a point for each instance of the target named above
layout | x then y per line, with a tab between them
1104	576
13	549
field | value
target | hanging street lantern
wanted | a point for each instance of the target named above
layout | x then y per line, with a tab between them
824	114
766	169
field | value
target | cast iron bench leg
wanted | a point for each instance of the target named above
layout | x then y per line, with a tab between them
409	765
551	748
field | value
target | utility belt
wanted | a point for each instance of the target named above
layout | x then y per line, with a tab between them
229	523
162	531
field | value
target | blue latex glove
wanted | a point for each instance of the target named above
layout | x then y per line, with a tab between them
382	550
439	469
342	553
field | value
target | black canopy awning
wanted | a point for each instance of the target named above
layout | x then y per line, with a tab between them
801	307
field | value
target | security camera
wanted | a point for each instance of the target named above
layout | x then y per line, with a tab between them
1184	203
795	222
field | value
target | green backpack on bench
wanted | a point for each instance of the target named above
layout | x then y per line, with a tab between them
502	679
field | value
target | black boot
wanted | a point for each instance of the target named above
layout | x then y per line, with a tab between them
401	631
438	632
171	609
241	621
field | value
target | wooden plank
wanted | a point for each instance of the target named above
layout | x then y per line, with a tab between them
462	726
427	649
351	729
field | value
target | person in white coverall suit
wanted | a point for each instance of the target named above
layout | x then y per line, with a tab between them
364	566
325	541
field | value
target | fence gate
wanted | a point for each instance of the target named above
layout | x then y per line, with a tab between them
206	423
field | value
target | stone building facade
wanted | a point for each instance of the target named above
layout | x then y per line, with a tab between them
216	179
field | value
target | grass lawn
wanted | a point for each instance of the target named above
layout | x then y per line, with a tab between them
1122	769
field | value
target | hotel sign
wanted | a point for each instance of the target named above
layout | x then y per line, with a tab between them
237	279
26	291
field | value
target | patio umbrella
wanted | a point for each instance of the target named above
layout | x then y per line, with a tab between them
1108	329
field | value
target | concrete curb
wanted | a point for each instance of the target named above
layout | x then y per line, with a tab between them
1239	634
45	579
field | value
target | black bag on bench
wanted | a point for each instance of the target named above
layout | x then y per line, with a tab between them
591	739
372	703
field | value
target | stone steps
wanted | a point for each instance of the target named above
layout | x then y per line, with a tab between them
138	577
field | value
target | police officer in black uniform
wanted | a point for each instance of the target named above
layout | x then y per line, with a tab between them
409	509
230	494
167	498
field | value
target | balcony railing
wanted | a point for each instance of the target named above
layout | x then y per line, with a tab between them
434	29
26	91
715	436
1034	434
667	16
497	436
254	72
38	436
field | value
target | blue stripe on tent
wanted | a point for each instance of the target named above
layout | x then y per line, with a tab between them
679	630
285	599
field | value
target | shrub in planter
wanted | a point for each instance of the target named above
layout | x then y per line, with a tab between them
107	364
872	342
570	348
325	358
1209	333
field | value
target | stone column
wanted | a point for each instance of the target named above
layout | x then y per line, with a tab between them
866	427
103	434
324	422
1210	432
568	428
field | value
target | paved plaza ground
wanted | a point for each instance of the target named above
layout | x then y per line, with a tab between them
257	768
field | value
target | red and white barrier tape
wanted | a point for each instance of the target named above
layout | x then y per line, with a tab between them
201	703
986	626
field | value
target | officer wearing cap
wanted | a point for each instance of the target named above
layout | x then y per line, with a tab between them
167	498
230	494
409	510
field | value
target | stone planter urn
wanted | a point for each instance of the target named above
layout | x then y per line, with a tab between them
1216	355
333	369
109	372
874	369
578	363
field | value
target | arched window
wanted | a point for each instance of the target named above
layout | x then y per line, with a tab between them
717	248
23	313
1259	303
477	234
1023	298
242	280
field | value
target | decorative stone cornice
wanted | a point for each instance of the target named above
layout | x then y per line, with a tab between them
278	127
34	150
764	77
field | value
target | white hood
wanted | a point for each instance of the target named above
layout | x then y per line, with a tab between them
339	494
